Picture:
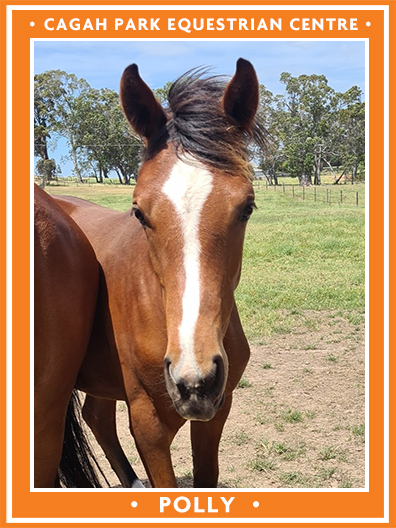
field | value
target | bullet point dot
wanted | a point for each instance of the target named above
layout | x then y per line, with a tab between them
256	504
368	23
133	504
32	23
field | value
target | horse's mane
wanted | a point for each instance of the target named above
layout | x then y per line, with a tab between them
199	128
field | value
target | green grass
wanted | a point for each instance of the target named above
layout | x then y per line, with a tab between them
359	432
310	414
328	453
287	452
345	483
243	383
241	438
326	473
293	479
261	463
292	416
331	358
113	196
298	256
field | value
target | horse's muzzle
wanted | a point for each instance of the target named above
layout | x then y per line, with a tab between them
200	398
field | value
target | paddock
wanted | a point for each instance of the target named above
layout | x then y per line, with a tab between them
306	426
298	414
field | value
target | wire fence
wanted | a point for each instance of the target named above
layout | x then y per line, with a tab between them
327	194
352	195
72	181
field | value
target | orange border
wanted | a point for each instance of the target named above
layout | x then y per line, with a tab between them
106	504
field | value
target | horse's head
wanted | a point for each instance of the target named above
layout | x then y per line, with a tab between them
193	198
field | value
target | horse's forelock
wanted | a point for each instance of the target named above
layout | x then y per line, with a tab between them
199	127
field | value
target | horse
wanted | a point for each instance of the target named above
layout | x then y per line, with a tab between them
167	338
66	276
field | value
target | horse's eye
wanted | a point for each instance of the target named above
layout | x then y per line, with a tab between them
139	215
247	212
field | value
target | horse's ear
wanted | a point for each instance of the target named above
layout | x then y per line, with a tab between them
143	111
241	96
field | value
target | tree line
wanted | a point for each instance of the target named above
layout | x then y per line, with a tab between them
310	126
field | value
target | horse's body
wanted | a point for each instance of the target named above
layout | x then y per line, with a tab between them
65	284
132	330
167	337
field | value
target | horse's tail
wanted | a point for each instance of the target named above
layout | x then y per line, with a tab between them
78	467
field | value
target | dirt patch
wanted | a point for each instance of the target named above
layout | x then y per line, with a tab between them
298	414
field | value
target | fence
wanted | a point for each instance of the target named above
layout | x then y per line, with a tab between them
321	194
72	181
328	194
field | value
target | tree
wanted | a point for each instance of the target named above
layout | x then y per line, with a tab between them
92	138
123	145
104	138
309	126
306	112
68	112
57	111
47	169
91	121
162	93
47	91
351	118
271	160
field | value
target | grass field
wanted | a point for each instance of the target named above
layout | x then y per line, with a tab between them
299	254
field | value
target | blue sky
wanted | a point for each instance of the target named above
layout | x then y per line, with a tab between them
101	63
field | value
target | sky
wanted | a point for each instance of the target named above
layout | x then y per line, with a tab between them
101	63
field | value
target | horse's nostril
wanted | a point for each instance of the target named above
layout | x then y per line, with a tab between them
184	390
208	386
196	396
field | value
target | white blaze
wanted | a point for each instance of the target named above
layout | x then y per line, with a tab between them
188	187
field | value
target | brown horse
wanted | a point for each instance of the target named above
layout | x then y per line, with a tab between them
167	338
65	291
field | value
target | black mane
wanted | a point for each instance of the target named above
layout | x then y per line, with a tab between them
198	126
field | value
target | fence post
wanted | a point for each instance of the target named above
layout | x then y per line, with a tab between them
327	195
283	188
357	198
293	190
315	193
303	192
341	196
